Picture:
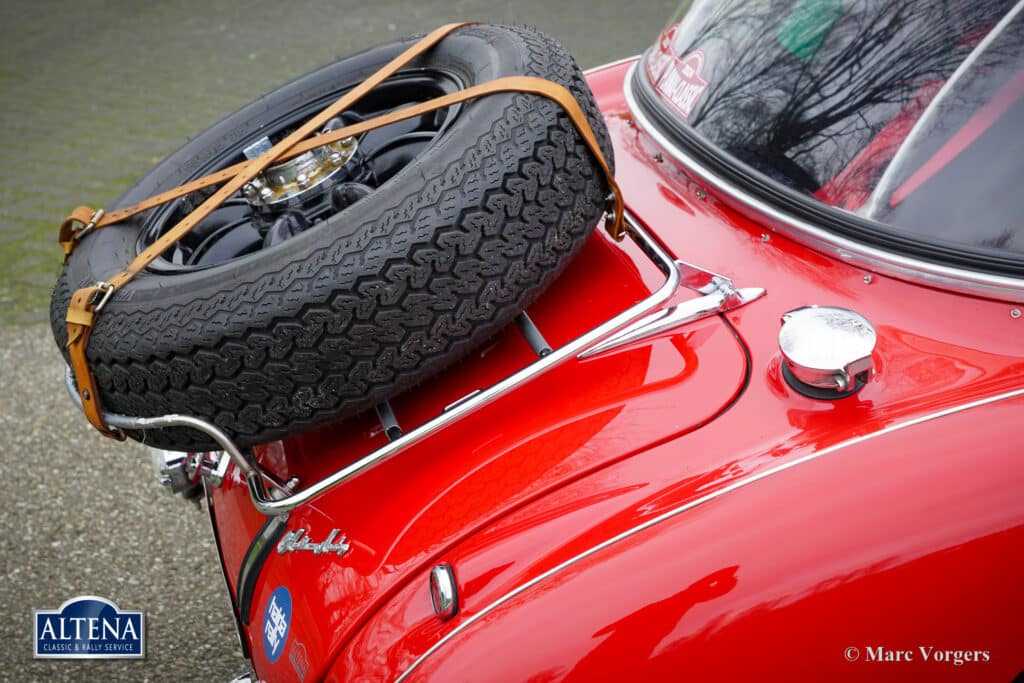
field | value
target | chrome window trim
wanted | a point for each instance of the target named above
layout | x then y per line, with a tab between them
654	521
846	250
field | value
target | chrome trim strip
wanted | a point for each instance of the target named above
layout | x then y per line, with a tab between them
609	65
819	239
477	616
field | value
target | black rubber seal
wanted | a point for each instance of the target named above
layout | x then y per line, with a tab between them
255	557
817	392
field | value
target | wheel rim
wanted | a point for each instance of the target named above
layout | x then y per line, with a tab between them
256	220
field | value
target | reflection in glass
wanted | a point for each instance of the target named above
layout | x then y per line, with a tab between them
907	113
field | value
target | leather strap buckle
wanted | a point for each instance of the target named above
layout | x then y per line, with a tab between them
90	226
102	295
70	233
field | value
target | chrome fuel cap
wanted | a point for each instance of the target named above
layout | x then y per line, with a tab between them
826	351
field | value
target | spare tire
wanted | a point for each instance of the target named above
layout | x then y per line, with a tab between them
378	296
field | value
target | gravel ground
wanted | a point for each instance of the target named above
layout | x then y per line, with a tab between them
92	94
89	519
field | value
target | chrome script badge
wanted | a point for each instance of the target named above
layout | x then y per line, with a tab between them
299	540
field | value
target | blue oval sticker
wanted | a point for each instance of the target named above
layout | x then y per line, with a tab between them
276	620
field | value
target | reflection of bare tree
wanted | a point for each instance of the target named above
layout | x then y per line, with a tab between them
801	115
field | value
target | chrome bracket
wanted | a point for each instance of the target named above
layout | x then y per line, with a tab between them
172	472
719	296
181	473
213	467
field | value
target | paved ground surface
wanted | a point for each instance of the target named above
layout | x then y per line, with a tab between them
92	94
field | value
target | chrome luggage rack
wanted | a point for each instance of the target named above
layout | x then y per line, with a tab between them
637	322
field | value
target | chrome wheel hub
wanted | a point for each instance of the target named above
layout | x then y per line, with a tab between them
296	178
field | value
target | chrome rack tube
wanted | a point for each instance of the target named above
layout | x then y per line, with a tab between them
256	478
650	247
165	421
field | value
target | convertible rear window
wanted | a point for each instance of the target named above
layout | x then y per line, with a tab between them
905	116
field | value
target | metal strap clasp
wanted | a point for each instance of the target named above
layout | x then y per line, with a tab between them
90	226
101	297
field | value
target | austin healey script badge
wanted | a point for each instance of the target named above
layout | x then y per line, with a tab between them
299	540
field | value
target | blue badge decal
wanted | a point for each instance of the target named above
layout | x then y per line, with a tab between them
276	619
90	627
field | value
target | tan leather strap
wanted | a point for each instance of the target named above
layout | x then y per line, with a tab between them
87	302
69	235
81	316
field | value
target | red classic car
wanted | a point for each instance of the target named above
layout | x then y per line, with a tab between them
767	425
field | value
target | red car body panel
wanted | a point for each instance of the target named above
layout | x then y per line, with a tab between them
895	537
750	585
